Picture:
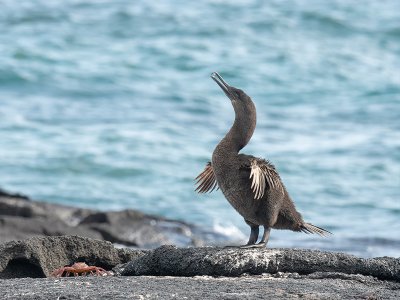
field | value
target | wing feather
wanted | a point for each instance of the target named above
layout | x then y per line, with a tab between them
263	173
206	181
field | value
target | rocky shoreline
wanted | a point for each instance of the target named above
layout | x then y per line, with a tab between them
37	238
22	218
169	272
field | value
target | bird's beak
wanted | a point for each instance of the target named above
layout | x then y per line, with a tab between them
222	84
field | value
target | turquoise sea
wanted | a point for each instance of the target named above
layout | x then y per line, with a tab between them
109	104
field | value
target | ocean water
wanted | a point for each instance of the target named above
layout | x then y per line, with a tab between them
109	105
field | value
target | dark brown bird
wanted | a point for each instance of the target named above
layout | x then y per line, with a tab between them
252	185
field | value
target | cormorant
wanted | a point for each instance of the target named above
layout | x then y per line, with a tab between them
252	185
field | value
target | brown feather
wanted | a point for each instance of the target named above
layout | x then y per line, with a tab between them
262	172
206	181
310	228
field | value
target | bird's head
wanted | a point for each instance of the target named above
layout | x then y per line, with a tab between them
240	100
245	112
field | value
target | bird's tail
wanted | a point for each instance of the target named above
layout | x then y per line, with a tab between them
310	228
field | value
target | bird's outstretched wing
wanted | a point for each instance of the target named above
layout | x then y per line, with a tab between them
264	175
206	181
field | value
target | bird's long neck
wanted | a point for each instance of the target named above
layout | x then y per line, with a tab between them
242	129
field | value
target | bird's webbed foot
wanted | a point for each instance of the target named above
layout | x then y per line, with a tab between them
254	246
252	240
251	244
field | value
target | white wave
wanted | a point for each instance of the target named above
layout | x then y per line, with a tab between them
229	230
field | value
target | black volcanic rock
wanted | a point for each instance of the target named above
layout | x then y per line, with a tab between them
133	228
237	273
40	256
194	273
211	261
4	193
14	228
21	218
332	287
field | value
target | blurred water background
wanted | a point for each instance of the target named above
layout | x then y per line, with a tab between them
109	105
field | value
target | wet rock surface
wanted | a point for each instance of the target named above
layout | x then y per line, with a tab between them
22	218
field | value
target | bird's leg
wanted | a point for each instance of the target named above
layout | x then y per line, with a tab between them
265	237
263	242
253	235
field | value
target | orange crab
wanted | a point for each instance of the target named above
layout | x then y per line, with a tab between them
80	268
